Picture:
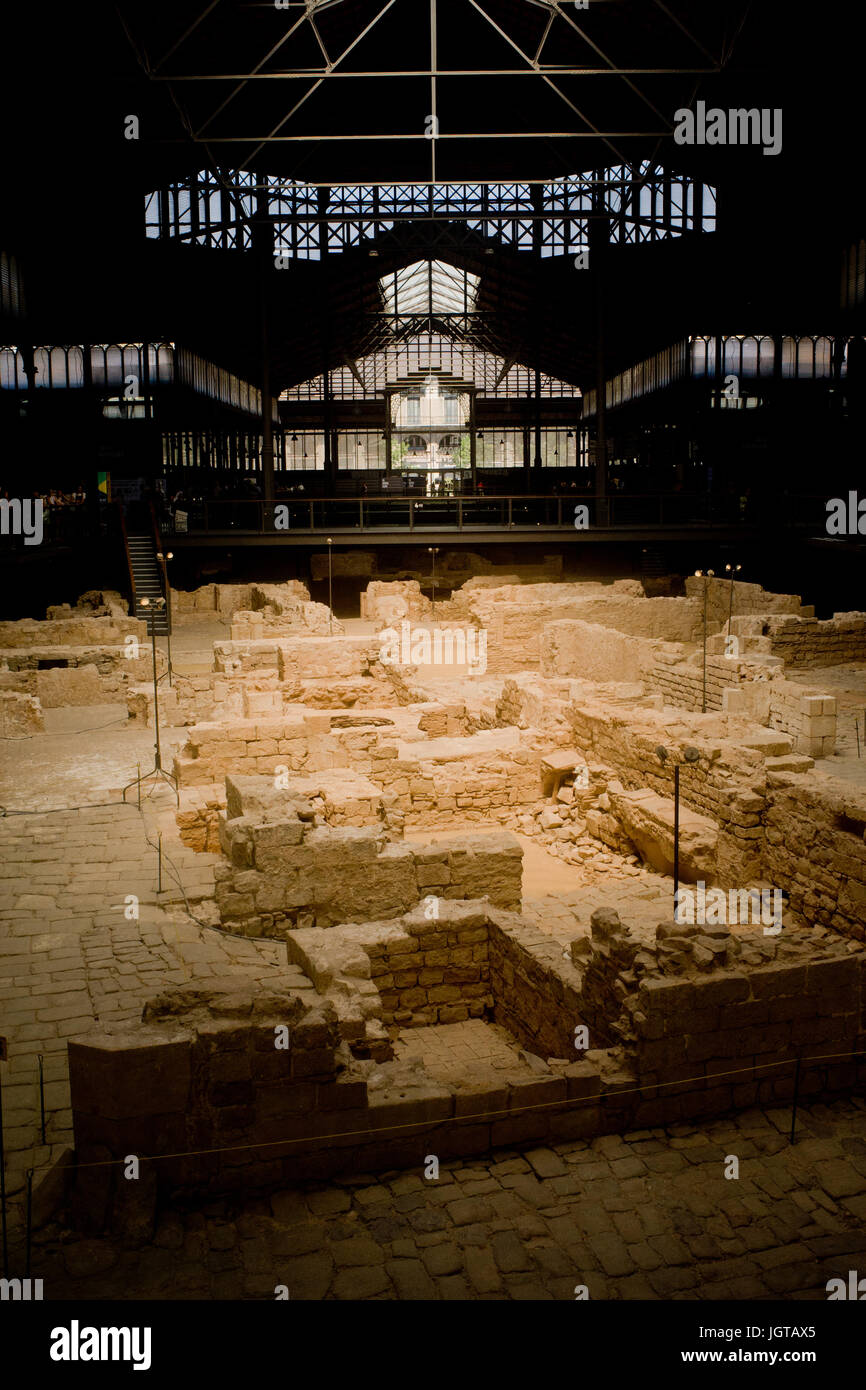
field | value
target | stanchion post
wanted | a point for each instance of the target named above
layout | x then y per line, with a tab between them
3	1169
796	1096
42	1094
29	1232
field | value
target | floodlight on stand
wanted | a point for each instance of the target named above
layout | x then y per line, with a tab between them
157	771
330	589
732	570
433	551
163	558
706	575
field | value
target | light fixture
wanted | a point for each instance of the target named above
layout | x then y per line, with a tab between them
157	771
690	755
705	575
330	590
294	439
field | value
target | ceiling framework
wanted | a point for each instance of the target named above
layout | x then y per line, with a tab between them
427	352
426	90
637	203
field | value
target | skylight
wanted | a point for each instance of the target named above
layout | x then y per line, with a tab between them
429	287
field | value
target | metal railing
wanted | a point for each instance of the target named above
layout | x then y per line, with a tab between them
501	513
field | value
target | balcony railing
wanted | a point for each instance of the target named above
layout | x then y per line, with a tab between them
315	515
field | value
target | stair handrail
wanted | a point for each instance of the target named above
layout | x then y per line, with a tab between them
164	583
134	608
157	539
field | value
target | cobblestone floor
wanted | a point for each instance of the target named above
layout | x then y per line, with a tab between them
646	1216
72	961
463	1052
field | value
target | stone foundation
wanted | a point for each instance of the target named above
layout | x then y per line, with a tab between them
256	1088
20	715
286	867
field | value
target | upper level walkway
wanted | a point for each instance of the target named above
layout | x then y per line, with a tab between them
390	520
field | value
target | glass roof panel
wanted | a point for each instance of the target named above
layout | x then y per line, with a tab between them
430	287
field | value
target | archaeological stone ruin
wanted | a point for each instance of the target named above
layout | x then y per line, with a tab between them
432	680
372	910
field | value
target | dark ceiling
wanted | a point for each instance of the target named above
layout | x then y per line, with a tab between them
208	80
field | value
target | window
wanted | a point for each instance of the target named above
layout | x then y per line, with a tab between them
429	287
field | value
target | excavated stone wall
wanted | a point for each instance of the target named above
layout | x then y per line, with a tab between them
431	972
431	784
207	1076
72	632
222	601
807	642
816	849
20	715
301	744
748	599
727	785
388	602
536	992
284	866
574	648
721	1026
679	679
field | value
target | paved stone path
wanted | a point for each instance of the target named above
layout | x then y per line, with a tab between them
71	961
463	1053
645	1216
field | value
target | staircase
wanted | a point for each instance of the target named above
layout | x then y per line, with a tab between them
653	562
147	579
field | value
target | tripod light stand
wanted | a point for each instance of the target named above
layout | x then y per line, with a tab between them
157	772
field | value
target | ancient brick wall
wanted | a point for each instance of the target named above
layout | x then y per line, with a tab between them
747	599
430	792
283	868
20	715
536	993
728	785
815	847
202	1078
433	973
732	1021
72	632
680	682
808	642
579	649
300	744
